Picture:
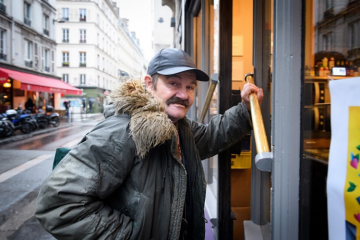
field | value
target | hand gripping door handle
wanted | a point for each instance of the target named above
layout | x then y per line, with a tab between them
213	82
264	158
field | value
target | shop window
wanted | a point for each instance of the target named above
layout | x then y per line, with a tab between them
331	53
65	35
65	14
82	35
82	59
27	14
65	78
82	13
65	59
82	79
2	44
46	24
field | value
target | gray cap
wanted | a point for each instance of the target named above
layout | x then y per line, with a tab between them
171	61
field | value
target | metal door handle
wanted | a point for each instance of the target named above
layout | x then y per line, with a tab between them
264	157
214	79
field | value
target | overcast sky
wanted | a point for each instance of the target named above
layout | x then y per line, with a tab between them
140	21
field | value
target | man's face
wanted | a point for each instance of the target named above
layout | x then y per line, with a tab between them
177	91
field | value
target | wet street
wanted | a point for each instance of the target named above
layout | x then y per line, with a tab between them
24	164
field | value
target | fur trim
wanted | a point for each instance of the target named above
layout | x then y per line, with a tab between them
149	124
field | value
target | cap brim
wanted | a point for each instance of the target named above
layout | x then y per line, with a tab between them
200	75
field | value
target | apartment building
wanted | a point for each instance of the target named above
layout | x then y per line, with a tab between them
95	52
27	54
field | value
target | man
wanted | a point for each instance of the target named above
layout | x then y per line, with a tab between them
138	173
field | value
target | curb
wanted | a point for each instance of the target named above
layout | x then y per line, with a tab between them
22	136
63	124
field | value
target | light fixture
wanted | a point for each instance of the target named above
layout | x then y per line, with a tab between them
59	21
7	85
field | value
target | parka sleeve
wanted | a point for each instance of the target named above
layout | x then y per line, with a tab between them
222	131
70	202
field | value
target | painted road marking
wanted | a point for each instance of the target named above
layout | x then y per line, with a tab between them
6	175
72	143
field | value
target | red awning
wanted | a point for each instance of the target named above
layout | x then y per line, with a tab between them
33	82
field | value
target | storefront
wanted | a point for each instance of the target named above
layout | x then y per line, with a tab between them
16	88
293	48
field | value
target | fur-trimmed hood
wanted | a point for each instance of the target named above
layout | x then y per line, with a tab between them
149	124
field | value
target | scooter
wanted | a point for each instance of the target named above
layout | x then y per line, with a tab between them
20	121
30	117
44	119
6	127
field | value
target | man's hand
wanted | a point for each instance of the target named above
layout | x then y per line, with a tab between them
251	88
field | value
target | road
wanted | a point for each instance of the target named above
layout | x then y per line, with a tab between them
24	165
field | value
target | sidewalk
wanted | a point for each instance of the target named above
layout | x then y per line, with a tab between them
65	123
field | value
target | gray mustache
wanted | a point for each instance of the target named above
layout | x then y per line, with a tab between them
178	101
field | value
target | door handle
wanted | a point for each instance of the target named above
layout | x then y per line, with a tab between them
264	158
213	82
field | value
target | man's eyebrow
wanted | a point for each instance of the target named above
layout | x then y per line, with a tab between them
173	75
194	82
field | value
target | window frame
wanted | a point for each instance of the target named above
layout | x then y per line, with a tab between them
82	79
65	14
65	77
65	35
82	11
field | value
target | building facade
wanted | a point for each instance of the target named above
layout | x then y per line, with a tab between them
292	49
28	50
95	51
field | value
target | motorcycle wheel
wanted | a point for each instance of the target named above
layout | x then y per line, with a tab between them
2	131
43	124
56	121
34	126
26	127
8	131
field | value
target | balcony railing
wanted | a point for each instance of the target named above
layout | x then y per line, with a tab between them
65	40
83	64
2	8
2	56
28	63
65	64
83	19
27	21
82	41
47	69
65	19
46	32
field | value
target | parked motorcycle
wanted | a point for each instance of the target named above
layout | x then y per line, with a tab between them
47	118
20	121
30	117
6	127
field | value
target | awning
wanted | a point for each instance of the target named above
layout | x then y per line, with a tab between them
37	83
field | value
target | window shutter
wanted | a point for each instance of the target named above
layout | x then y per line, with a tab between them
42	58
36	60
52	61
59	13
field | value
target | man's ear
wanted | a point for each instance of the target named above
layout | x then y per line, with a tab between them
148	83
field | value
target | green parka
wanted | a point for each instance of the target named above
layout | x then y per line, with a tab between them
124	180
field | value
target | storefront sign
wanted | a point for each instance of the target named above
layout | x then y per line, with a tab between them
3	77
343	182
